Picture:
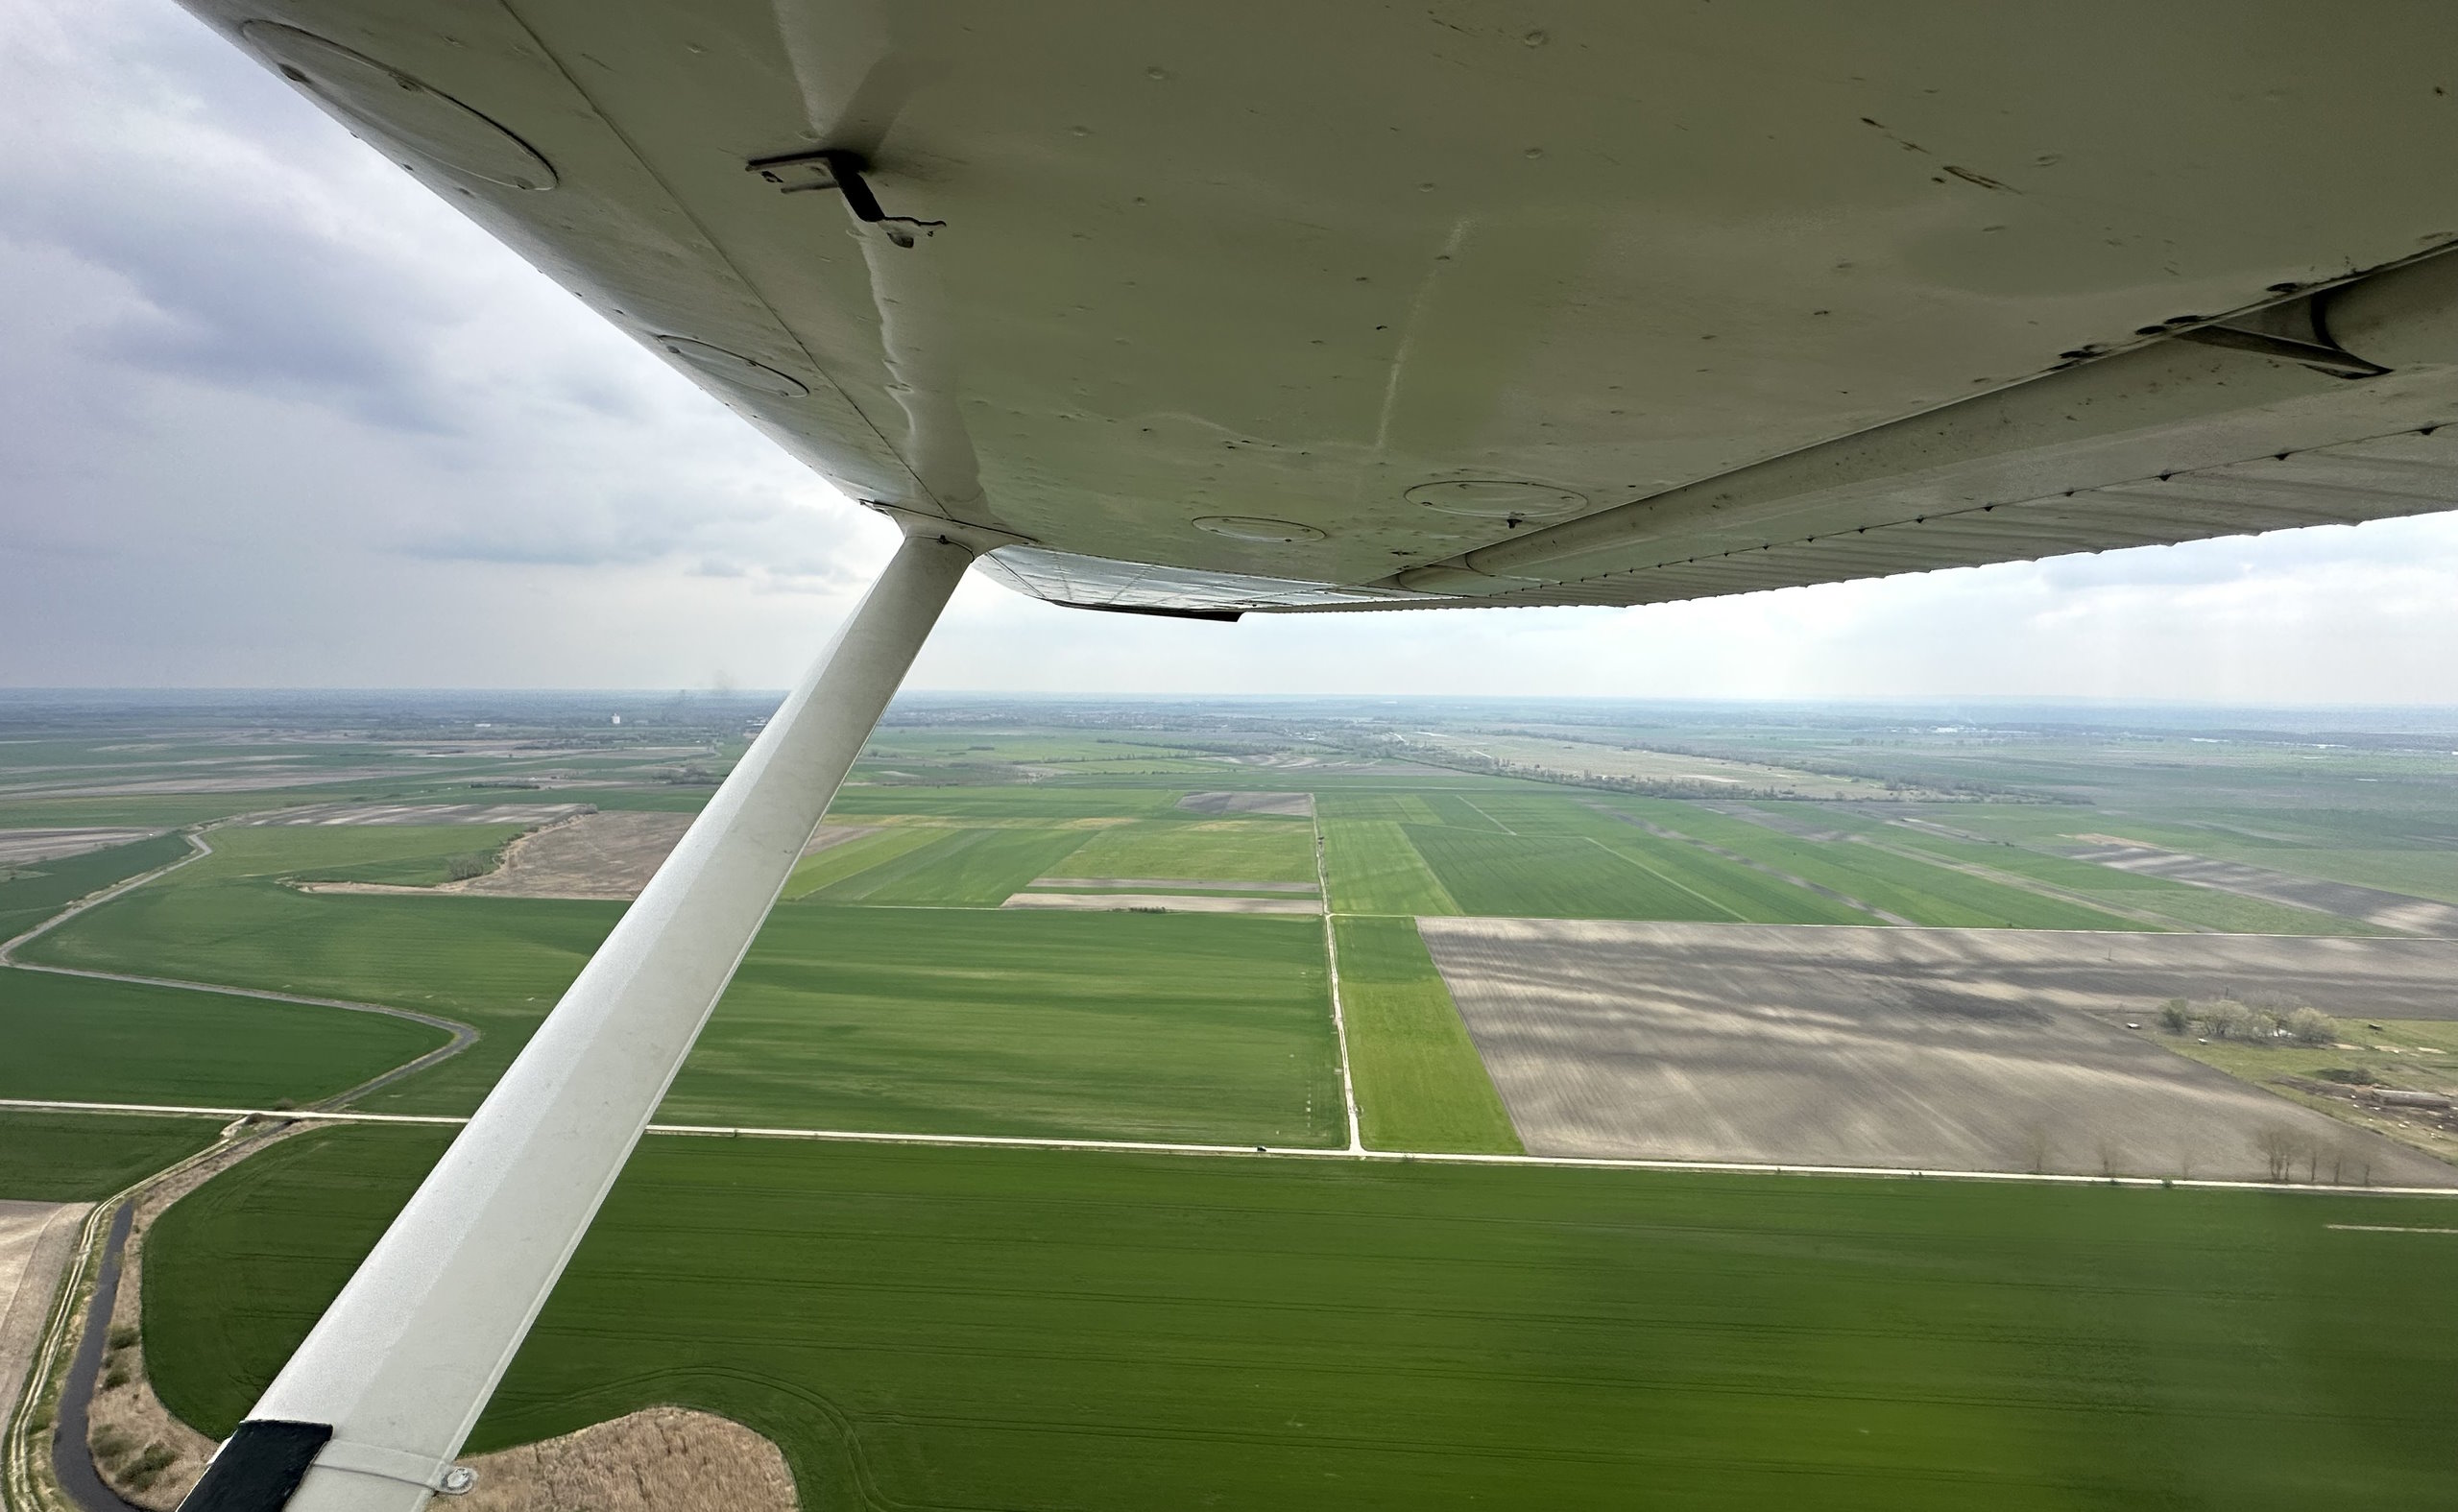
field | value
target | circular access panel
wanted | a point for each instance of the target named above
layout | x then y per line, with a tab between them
1251	527
739	371
427	123
1496	498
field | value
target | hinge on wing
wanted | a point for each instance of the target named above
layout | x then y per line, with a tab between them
2294	330
839	169
2336	361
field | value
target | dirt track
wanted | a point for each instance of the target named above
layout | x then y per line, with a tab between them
36	1239
1928	1048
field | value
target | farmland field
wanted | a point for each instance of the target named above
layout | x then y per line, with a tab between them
84	1157
1552	876
1915	891
1039	1329
1113	1025
1374	869
31	893
937	1327
958	869
75	1038
1419	1083
1224	849
497	963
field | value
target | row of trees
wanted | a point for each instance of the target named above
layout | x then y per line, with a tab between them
2254	1023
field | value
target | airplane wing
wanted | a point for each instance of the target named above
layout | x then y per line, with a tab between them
1316	307
1296	308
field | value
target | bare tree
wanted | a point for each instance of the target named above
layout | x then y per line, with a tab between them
2280	1148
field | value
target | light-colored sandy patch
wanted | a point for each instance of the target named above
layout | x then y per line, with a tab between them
1293	806
1174	884
1935	1050
661	1459
36	1241
1161	903
25	846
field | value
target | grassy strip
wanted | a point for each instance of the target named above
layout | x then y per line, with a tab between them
1374	869
77	1040
1420	1084
945	1327
82	1156
1211	1029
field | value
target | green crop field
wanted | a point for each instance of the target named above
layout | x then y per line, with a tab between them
1204	1029
77	1040
2180	902
1225	849
926	1326
854	804
960	869
1552	876
84	1156
839	862
1745	894
1374	869
495	963
35	891
1420	1085
1911	889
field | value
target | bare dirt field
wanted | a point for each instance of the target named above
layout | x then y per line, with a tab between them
1936	1049
1161	902
2368	904
1295	805
23	847
35	1241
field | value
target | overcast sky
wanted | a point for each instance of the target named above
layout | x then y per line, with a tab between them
272	416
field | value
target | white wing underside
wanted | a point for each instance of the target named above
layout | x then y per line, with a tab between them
1151	276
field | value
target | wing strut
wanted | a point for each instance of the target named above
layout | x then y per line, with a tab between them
377	1401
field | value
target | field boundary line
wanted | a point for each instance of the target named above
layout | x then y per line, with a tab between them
1325	1152
1332	963
1735	916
